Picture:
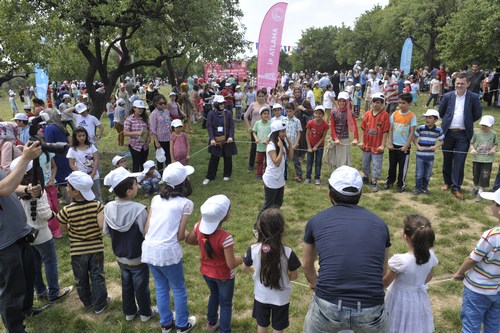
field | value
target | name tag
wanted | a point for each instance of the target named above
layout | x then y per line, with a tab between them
220	129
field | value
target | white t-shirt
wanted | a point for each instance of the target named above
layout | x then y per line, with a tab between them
274	176
435	87
375	85
458	122
89	123
84	159
237	99
160	246
327	99
310	97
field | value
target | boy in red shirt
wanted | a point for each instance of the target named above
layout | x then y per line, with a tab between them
375	126
316	130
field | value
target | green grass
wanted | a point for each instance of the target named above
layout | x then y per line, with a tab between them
458	225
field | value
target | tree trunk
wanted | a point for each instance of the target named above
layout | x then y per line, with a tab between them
171	72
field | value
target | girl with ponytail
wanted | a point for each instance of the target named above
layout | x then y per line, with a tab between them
406	299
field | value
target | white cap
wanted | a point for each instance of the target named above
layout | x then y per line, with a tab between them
213	210
120	102
320	108
378	96
343	95
116	176
358	85
20	116
228	84
494	196
430	113
238	87
177	123
175	173
139	103
80	107
117	159
148	165
127	78
66	96
487	120
264	108
83	183
219	99
277	126
315	82
172	94
350	80
277	106
160	155
15	161
346	176
214	84
370	71
407	82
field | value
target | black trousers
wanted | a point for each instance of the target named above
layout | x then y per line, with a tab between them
273	197
213	164
398	160
166	147
253	152
138	158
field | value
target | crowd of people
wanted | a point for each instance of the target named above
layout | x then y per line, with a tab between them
284	123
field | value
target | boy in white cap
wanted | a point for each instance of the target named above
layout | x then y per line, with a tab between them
277	112
483	147
149	178
87	121
21	121
119	161
481	276
83	219
428	138
124	222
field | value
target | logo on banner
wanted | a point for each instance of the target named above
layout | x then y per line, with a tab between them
278	14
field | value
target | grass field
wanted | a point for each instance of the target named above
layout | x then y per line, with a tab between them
457	224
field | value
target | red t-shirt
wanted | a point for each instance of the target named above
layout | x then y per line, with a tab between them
228	95
215	267
316	132
374	128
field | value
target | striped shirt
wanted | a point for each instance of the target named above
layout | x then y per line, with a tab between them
160	124
484	278
85	236
427	137
133	124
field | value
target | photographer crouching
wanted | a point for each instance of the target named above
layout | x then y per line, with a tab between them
16	256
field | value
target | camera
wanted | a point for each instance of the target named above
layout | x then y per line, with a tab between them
30	238
36	124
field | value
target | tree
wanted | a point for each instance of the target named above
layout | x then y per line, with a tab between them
141	32
472	34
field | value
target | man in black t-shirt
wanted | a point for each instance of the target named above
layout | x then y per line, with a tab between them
352	244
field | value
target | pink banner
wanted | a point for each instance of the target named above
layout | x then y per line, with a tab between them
268	55
215	70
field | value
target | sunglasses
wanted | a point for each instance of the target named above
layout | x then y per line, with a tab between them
162	103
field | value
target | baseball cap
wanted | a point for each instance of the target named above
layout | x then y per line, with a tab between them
277	106
407	82
344	95
175	173
344	177
176	123
378	96
116	176
147	165
264	108
238	87
117	159
277	126
358	85
430	113
139	103
66	96
494	196
80	107
20	116
213	210
320	108
83	183
15	161
487	120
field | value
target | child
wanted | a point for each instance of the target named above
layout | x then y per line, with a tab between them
415	87
375	126
275	265
406	299
161	249
368	96
149	178
435	91
357	99
481	277
44	247
83	219
124	222
277	110
328	101
261	131
83	156
428	138
294	132
119	161
238	97
403	124
483	147
179	143
49	168
342	122
349	88
217	261
407	87
316	130
318	93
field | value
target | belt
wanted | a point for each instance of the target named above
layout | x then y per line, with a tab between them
456	129
352	304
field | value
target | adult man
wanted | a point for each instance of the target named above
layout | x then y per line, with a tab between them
391	92
459	110
476	78
353	245
16	256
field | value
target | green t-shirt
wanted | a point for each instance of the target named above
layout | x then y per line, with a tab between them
263	130
483	142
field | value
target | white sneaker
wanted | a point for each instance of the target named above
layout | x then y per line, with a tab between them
225	179
154	312
206	181
130	317
317	182
191	325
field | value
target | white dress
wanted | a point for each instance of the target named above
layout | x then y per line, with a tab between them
406	299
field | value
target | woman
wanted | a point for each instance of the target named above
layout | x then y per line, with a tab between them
207	97
220	126
150	95
137	129
119	120
186	106
160	126
253	114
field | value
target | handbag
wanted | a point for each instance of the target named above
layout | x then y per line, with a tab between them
221	139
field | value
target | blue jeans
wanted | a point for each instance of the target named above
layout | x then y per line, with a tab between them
480	309
90	281
111	120
221	294
326	317
135	285
46	254
454	163
166	278
423	173
316	158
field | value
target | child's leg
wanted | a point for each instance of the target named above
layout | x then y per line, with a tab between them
317	162
213	300
403	161
175	278
226	292
310	161
474	308
427	174
140	279
162	288
96	271
147	186
377	162
40	288
48	255
260	163
491	322
80	266
297	166
279	317
420	168
391	174
262	314
366	161
128	299
476	173
485	174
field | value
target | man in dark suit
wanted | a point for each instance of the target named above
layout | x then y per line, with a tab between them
459	110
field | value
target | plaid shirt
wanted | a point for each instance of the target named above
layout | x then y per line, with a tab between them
160	125
293	127
133	124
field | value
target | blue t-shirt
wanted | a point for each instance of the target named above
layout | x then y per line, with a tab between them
54	134
351	243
